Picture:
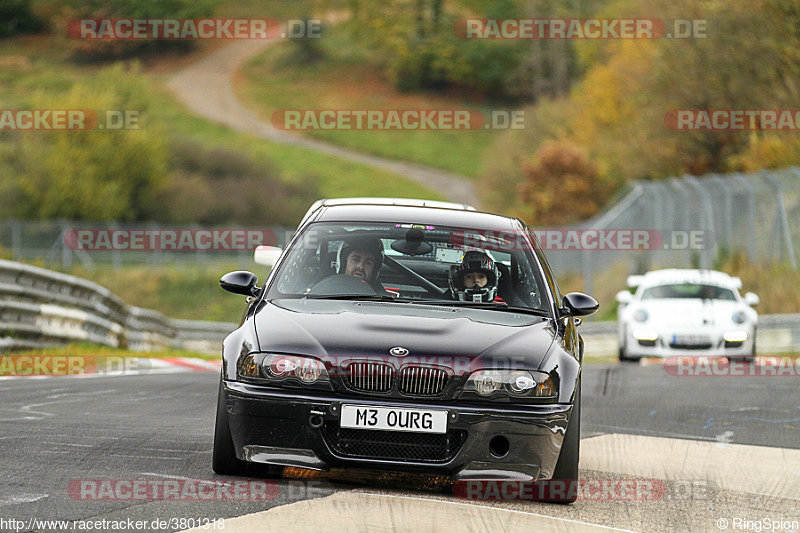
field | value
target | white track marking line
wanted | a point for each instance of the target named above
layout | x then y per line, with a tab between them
29	408
167	476
22	498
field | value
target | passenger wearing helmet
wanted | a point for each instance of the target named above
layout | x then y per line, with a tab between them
362	257
475	279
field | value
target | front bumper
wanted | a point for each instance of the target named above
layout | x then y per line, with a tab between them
663	346
290	428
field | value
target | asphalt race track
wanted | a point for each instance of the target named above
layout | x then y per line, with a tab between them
720	452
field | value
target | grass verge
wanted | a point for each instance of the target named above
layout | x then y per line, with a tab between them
345	78
38	64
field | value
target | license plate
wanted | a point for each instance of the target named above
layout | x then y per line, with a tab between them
690	340
394	419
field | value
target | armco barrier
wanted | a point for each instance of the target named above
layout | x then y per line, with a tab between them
39	308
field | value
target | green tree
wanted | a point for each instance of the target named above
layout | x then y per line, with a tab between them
16	17
98	174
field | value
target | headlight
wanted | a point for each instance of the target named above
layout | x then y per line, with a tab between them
261	367
246	366
739	317
640	315
735	337
306	369
510	384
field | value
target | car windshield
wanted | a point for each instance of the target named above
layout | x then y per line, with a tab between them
411	263
689	290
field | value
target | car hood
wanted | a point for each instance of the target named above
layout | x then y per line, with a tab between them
342	329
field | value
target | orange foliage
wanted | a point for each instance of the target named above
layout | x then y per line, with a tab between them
561	185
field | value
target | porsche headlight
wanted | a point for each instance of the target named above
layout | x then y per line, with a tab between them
640	315
739	317
509	384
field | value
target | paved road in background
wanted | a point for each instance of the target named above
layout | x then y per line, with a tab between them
206	87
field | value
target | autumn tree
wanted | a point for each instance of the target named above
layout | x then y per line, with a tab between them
561	185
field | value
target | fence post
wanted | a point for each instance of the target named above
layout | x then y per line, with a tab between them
707	220
16	240
675	184
751	221
783	221
726	215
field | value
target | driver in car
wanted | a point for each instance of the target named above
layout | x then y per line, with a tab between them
362	257
475	279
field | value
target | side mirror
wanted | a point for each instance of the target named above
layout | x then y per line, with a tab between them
267	255
624	297
751	299
634	281
240	282
579	304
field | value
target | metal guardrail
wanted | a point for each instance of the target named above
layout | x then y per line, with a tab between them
40	308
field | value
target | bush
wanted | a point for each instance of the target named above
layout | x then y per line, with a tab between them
99	174
151	9
16	17
214	185
562	185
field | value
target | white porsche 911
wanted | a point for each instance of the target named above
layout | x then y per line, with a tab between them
686	312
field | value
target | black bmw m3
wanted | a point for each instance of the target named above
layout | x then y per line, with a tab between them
404	335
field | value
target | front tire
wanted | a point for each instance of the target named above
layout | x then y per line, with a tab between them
565	474
224	460
622	353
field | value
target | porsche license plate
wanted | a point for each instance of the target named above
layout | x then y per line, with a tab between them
691	340
394	418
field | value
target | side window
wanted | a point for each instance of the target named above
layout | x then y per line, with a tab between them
526	287
548	274
302	270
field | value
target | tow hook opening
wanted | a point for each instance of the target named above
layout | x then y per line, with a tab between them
315	419
499	446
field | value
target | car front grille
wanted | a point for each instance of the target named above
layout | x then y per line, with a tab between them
423	380
369	376
393	445
679	346
690	342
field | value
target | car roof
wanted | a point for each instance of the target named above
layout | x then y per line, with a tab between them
684	275
429	213
364	200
